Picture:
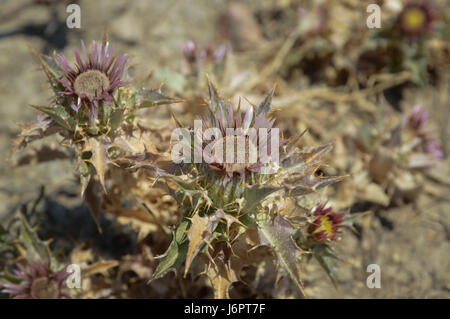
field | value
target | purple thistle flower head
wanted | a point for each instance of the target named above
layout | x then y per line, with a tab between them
418	118
242	131
95	76
327	224
38	282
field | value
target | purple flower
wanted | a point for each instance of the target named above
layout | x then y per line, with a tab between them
416	19
94	78
38	282
235	128
326	225
189	50
417	118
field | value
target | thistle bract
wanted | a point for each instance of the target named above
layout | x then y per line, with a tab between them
326	225
94	78
241	139
38	281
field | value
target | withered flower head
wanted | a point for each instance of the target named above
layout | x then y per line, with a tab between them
416	18
242	131
38	282
417	122
326	225
95	76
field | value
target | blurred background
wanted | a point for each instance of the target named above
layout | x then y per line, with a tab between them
336	77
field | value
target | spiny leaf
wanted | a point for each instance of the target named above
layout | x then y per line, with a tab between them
311	183
221	276
150	98
298	161
175	254
99	158
36	248
49	70
93	197
215	102
58	114
116	118
200	233
85	175
265	105
100	267
255	194
277	233
327	259
227	218
43	127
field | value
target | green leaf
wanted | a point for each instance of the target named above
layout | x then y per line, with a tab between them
116	118
277	234
254	195
36	248
150	98
49	67
175	254
59	115
327	259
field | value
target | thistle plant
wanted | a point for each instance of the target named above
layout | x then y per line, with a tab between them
230	209
94	109
407	39
38	274
38	281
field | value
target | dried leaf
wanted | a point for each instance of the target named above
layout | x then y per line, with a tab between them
43	127
222	276
200	233
93	197
100	267
99	158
